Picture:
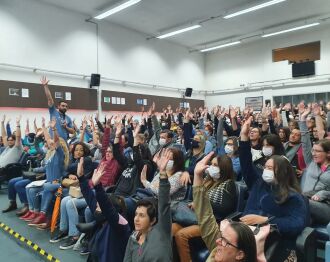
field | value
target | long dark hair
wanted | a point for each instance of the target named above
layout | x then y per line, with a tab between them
178	159
85	148
226	172
245	241
286	179
275	141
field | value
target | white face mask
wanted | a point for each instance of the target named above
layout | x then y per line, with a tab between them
169	165
229	149
214	172
267	151
162	141
268	176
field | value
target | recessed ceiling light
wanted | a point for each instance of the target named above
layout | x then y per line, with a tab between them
116	9
253	8
180	31
220	46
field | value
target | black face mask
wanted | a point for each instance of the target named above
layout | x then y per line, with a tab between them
99	217
195	144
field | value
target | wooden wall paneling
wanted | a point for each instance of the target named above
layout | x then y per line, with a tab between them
81	98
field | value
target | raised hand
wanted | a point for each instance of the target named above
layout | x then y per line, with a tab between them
305	113
3	119
232	112
203	164
136	130
44	81
163	161
143	177
316	109
80	168
18	120
245	129
52	123
98	173
43	122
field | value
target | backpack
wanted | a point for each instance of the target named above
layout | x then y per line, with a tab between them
128	182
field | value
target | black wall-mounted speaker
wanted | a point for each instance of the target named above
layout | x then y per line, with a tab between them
188	92
95	80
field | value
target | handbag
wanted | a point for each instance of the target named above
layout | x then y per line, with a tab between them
67	182
75	192
182	214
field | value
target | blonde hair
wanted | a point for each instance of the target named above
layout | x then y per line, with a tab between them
65	151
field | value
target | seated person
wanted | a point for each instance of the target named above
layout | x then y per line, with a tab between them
151	241
13	148
230	243
219	185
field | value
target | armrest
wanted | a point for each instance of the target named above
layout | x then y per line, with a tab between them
234	216
306	245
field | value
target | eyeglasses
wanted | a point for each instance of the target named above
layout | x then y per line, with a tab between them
224	242
109	151
10	140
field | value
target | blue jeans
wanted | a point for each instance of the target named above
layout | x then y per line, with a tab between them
89	217
33	195
17	186
70	215
49	190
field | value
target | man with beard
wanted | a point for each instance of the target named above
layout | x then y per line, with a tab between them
63	122
293	151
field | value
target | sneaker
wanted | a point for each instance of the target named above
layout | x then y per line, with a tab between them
84	251
59	236
29	213
31	217
22	211
69	243
40	219
44	226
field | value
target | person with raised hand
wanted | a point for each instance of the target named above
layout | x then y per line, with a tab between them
230	243
274	195
112	231
64	123
11	154
151	241
316	182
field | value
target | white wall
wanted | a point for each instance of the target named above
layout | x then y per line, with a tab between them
38	35
252	62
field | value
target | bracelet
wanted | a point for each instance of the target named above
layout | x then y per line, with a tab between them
18	126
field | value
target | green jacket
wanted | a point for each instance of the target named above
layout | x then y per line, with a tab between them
208	225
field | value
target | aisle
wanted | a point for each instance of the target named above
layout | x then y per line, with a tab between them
11	249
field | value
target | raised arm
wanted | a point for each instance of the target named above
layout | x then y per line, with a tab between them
202	206
245	155
18	141
3	131
44	81
305	137
318	121
52	125
164	202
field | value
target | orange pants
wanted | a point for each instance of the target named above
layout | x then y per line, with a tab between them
182	236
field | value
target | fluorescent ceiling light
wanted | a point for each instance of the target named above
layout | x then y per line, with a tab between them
117	9
253	8
179	31
290	30
220	46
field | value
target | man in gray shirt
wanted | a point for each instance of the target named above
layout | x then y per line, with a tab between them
13	146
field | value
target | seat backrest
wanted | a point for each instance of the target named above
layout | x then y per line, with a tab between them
23	159
241	191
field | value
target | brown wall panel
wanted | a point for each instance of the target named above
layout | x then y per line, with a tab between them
131	102
81	98
305	52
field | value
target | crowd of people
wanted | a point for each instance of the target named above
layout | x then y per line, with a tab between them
124	177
